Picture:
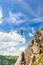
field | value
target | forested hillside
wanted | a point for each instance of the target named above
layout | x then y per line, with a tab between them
8	60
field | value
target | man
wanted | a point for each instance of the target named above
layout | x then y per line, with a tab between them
21	32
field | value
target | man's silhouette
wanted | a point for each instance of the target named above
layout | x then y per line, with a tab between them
21	32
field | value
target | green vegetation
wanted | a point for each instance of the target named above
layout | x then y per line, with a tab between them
8	60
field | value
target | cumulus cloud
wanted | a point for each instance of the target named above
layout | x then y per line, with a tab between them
13	51
9	42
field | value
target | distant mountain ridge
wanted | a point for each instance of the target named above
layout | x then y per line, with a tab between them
33	54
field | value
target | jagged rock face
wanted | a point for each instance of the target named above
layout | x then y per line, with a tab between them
34	52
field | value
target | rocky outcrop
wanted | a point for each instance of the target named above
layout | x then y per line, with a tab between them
33	54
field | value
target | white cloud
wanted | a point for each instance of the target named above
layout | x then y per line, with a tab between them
0	15
30	34
9	42
33	30
22	48
13	51
16	18
38	19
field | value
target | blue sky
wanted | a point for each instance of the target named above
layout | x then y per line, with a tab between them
14	16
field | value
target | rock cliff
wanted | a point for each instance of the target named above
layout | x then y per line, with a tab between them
33	54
